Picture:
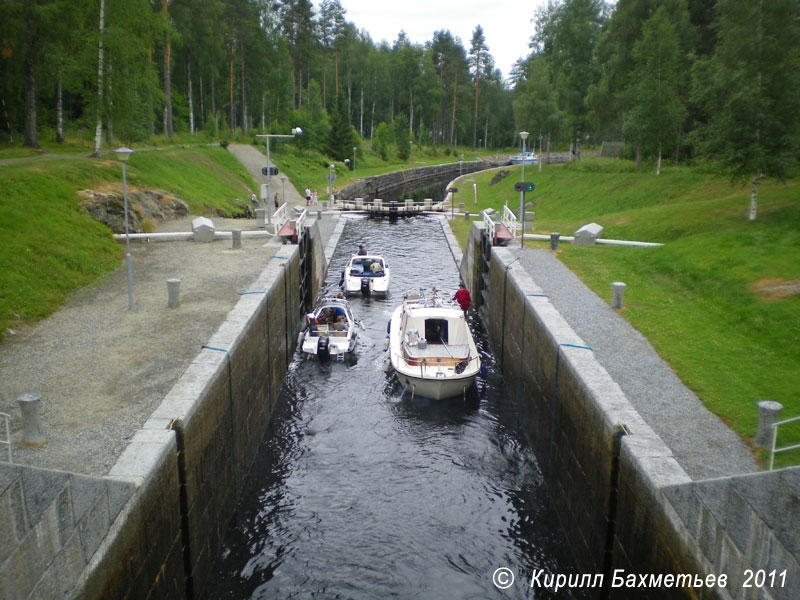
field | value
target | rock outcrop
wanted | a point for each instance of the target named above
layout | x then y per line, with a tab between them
143	206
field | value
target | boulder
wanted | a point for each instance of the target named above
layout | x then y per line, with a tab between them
108	207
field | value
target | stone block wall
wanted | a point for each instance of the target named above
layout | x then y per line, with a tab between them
627	507
153	527
51	524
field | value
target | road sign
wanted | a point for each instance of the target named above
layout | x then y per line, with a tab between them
524	186
272	171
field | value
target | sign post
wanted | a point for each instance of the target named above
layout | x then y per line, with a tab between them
523	187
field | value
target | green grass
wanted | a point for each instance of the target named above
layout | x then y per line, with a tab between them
50	247
697	298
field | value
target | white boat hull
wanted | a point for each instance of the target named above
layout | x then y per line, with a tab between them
433	370
358	278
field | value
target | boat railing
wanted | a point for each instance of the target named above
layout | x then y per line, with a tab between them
423	299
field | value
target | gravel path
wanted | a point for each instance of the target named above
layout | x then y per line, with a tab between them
102	369
702	444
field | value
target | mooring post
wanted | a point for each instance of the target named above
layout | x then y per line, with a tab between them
173	293
29	405
260	215
466	216
619	292
768	413
554	237
236	236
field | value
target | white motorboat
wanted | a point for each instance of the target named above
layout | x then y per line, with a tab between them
330	331
431	347
524	158
367	275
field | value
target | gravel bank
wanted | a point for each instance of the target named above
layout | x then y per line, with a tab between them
702	444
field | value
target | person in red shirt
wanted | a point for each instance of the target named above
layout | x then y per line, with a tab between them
462	297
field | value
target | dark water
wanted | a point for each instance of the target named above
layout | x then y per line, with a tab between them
359	491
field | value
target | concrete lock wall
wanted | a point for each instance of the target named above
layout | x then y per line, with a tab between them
153	526
375	187
622	499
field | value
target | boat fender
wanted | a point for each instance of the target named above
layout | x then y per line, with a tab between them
388	326
341	280
387	365
461	366
483	371
386	344
300	337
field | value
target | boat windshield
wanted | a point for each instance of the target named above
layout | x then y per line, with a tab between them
436	331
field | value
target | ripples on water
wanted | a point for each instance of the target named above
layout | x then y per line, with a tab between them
359	491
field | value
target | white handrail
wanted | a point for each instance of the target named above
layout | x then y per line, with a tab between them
7	441
298	224
509	220
280	216
489	224
775	450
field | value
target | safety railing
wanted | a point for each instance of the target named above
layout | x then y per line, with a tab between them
298	224
489	222
7	441
280	216
775	449
510	220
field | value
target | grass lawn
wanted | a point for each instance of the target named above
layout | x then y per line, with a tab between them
711	299
50	247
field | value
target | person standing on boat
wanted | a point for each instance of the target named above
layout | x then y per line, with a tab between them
361	251
463	298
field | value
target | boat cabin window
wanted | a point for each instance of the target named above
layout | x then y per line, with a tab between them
436	331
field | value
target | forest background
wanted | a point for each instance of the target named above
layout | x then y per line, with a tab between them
677	80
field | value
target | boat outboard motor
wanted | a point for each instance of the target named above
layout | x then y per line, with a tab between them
323	351
365	287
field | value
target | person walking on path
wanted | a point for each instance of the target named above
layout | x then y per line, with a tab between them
276	201
462	297
308	196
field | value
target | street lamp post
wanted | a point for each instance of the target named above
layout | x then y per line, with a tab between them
283	183
295	132
123	154
524	135
354	162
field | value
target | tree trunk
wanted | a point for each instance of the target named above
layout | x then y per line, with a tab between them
361	112
231	112
475	117
202	105
59	109
167	80
658	165
109	120
30	84
244	101
752	210
578	143
98	130
151	112
189	97
453	119
638	155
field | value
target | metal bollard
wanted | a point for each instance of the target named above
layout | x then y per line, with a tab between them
554	237
29	405
768	413
619	292
173	293
236	236
319	215
466	216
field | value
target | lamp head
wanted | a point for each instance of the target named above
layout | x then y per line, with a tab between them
297	131
524	135
123	153
347	161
